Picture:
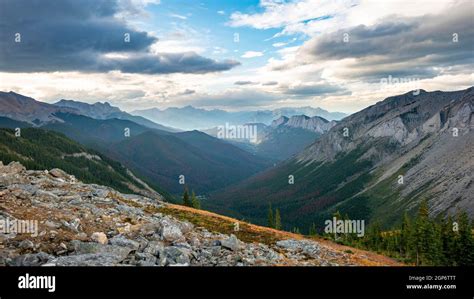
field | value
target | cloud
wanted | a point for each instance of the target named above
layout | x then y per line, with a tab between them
420	47
306	89
232	99
71	35
252	54
181	17
270	83
221	12
311	17
245	83
187	92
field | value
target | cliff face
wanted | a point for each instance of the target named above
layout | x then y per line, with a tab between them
77	224
314	124
428	138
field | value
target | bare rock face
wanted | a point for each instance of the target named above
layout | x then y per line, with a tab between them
81	224
16	106
314	124
431	133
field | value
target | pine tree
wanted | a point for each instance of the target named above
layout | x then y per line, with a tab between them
312	230
186	200
465	244
277	219
271	221
406	237
195	201
427	235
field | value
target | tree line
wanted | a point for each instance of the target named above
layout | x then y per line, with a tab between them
420	240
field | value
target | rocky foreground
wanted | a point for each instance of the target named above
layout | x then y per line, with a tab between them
90	225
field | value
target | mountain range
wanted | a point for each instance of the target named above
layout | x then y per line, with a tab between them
106	111
375	164
283	138
159	156
190	118
41	149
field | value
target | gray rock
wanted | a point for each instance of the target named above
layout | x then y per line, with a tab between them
97	248
154	248
89	259
231	243
170	231
58	173
26	244
145	259
30	260
176	255
120	240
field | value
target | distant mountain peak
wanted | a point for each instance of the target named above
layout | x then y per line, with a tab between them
315	124
279	121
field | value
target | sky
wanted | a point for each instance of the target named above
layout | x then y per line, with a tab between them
234	55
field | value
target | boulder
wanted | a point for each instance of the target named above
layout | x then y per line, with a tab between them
120	240
170	231
99	237
30	260
231	243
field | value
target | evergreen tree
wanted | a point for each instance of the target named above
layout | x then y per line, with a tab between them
427	235
406	237
186	201
277	219
195	201
312	230
271	221
465	244
448	240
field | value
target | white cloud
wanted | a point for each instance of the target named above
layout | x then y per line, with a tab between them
252	54
279	45
312	17
181	17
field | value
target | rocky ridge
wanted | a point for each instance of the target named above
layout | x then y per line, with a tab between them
314	124
90	225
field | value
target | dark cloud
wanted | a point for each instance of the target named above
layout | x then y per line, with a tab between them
270	83
400	46
187	92
245	83
71	35
312	90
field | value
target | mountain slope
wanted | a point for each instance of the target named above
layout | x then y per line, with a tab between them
285	137
41	149
25	109
162	156
358	173
206	162
92	131
106	111
102	227
314	124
